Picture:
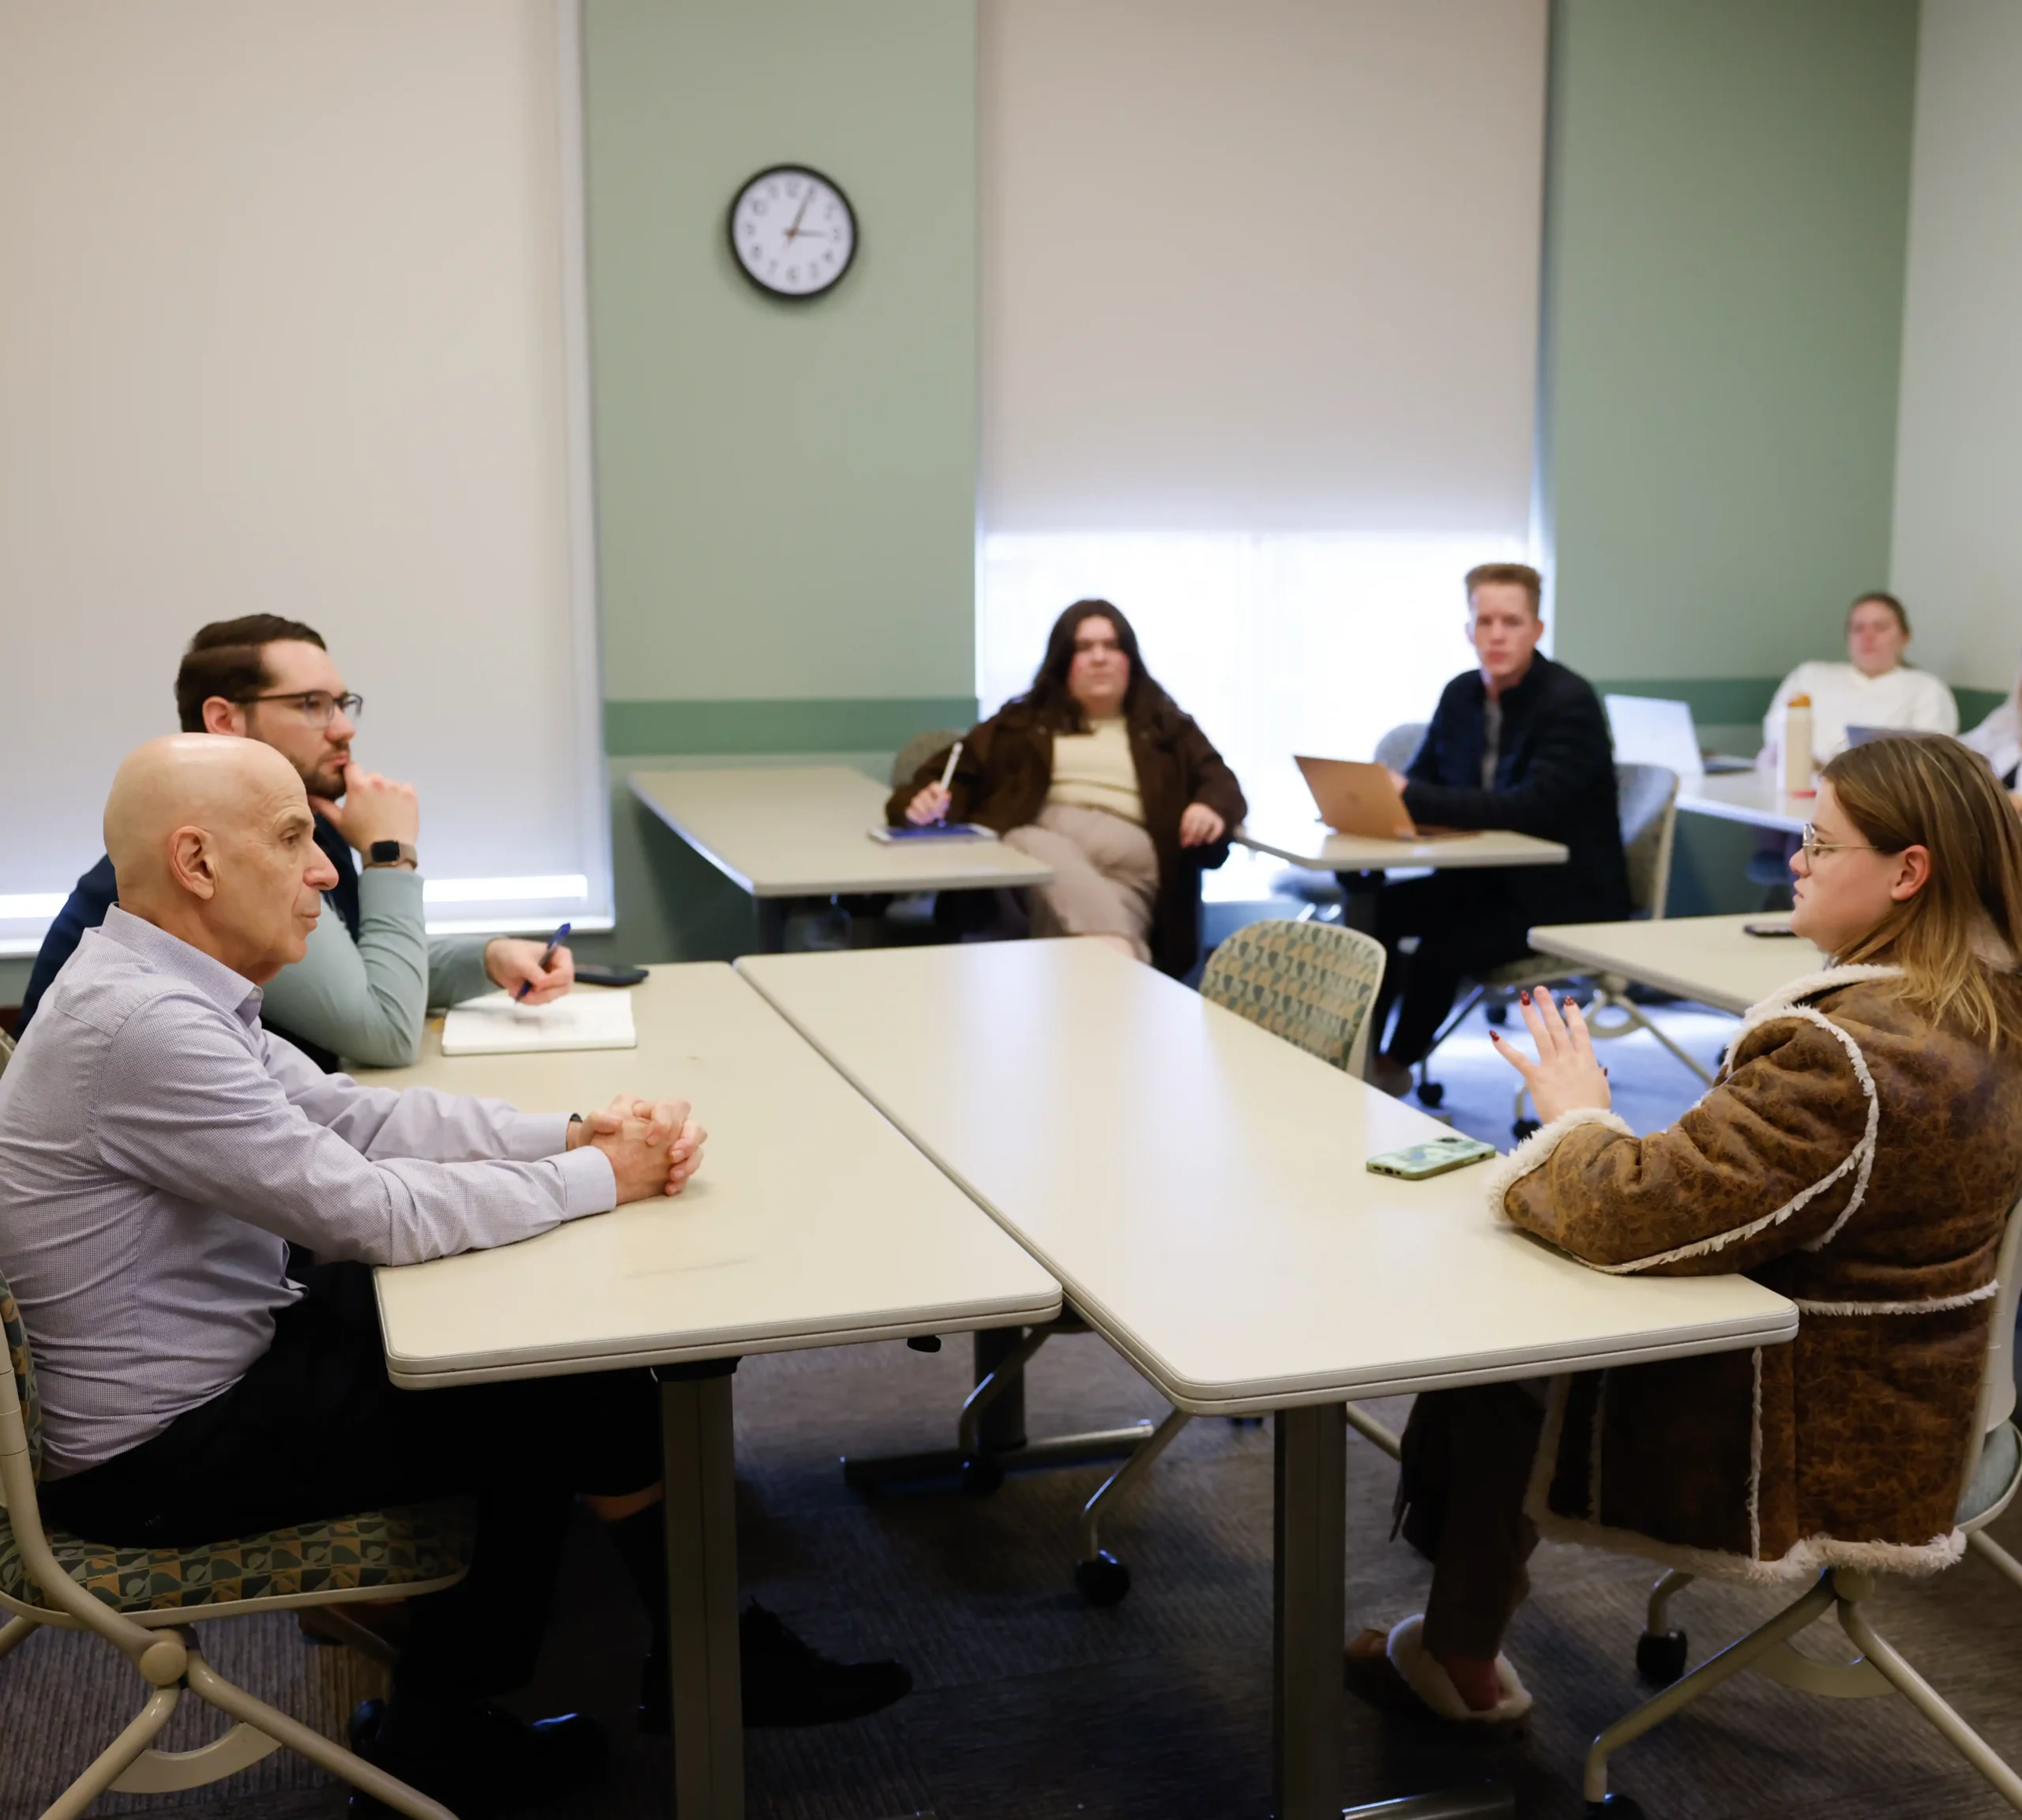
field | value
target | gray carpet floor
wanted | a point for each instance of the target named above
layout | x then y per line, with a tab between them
1030	1705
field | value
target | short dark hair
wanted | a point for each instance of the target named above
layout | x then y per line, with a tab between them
1049	694
228	657
1902	613
1512	574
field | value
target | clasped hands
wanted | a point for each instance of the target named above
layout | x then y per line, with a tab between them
1566	1077
653	1146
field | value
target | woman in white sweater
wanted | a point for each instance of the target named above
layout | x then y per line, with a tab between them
1874	688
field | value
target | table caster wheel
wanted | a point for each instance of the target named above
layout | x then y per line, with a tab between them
1431	1092
1660	1659
1497	1014
1246	1421
1614	1807
1103	1581
981	1476
1523	1129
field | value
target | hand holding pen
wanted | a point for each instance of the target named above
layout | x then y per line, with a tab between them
529	971
933	803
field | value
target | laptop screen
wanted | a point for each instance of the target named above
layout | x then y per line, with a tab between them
1649	730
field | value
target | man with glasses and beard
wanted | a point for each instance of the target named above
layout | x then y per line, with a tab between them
364	988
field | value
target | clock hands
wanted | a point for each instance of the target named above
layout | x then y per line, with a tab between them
795	228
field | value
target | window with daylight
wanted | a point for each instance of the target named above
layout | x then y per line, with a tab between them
1259	331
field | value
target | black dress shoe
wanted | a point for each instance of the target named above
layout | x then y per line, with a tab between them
477	1760
784	1681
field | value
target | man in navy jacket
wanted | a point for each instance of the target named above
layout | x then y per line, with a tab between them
1519	742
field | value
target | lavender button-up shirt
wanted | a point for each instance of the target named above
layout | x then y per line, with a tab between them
159	1149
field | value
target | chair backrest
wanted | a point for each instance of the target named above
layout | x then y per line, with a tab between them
1312	983
1398	747
917	749
17	1389
1997	1379
1646	800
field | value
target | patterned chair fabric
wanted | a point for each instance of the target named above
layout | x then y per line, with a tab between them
378	1548
1312	983
23	1363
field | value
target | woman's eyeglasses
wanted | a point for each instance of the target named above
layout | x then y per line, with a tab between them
317	706
1812	846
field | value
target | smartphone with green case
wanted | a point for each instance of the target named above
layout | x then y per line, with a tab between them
1417	1161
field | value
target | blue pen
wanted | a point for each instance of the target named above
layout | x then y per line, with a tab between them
553	941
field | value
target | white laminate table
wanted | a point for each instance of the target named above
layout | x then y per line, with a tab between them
1753	797
1197	1186
1711	959
812	1223
788	833
1316	847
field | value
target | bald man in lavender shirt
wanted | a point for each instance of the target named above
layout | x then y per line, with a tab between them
159	1153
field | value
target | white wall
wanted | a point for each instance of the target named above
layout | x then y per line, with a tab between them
1270	266
292	307
1958	449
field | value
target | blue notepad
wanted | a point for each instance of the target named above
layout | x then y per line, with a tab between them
934	831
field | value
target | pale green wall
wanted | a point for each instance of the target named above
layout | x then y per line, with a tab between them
1727	218
786	492
1725	240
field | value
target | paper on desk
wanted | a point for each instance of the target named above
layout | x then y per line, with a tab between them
495	1025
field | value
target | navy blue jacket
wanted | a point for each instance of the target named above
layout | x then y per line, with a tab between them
1555	778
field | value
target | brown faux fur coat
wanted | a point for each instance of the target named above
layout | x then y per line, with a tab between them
1856	1158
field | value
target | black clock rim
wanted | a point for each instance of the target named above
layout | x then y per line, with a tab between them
730	232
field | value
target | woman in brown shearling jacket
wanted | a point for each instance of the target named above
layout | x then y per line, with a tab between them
1095	771
1859	1154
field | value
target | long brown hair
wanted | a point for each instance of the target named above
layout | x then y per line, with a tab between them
1048	696
1930	792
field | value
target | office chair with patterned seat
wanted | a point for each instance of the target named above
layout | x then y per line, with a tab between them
1990	1475
1312	983
145	1602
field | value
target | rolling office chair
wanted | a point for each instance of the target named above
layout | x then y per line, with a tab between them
1312	983
146	1601
1646	798
1990	1474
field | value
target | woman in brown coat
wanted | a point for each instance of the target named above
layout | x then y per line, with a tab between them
1859	1154
1094	771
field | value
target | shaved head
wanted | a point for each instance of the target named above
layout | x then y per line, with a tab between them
211	839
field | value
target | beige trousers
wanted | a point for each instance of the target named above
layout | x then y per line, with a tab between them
1105	875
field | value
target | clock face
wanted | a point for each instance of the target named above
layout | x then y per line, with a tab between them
793	232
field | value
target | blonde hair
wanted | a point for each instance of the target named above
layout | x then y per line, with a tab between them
1511	574
1957	938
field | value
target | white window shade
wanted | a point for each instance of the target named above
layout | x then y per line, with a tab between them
1264	267
293	300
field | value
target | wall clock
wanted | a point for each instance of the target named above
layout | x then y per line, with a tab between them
792	232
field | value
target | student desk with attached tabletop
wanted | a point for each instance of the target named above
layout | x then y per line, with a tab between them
790	834
1197	1186
812	1223
1711	959
1753	797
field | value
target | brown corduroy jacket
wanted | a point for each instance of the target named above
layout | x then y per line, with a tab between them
1006	768
1856	1158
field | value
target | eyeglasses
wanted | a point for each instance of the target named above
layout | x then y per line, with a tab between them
317	706
1812	846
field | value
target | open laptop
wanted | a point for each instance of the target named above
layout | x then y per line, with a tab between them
1649	730
1357	799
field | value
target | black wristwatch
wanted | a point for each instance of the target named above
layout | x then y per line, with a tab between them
392	853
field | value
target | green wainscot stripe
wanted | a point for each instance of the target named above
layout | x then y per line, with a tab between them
1733	701
631	728
1715	701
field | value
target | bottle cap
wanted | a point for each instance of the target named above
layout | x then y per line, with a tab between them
1798	701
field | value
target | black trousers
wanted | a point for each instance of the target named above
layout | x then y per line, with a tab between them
1464	923
314	1430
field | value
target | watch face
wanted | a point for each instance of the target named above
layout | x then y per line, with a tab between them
384	852
792	232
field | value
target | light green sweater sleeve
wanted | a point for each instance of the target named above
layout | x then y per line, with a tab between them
366	1000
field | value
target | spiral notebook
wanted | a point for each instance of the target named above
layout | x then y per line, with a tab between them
495	1025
